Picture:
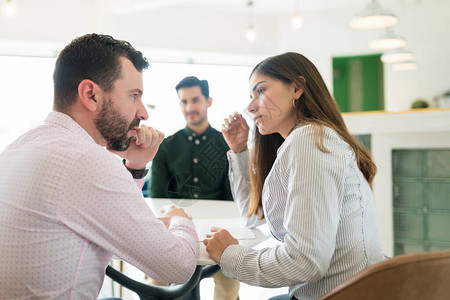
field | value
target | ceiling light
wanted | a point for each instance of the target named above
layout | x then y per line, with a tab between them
373	17
396	55
251	33
404	66
388	41
297	20
9	9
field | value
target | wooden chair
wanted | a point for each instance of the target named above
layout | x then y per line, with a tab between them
406	277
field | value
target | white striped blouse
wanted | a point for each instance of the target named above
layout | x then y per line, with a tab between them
319	205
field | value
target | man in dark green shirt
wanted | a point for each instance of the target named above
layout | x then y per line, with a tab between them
192	163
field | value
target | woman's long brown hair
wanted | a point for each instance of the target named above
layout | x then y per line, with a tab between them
315	107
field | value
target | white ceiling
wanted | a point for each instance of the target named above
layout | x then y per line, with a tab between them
259	6
270	7
168	24
262	7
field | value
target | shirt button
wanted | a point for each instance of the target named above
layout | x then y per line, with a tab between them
194	134
195	160
195	179
204	137
190	138
197	142
195	195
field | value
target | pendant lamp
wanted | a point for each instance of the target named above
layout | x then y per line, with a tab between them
373	17
389	40
397	55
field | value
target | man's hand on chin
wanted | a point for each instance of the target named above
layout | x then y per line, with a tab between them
143	147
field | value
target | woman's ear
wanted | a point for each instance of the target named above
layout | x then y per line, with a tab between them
303	80
298	89
87	90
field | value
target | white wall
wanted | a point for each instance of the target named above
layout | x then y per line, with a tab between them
324	34
424	24
198	34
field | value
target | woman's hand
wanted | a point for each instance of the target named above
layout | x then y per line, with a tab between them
235	131
217	241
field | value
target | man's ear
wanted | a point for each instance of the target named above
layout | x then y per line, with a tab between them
87	90
209	100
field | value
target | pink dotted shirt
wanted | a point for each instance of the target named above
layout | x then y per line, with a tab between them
66	206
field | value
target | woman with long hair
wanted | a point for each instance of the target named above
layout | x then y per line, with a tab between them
306	176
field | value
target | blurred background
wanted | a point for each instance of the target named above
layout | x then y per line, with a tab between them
386	56
220	41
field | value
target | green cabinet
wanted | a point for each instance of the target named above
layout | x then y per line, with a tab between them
421	193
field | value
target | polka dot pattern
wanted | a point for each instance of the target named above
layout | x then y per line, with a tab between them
67	206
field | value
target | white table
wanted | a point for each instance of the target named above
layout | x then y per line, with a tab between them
199	210
211	209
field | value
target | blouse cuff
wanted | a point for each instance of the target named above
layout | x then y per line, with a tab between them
231	260
238	161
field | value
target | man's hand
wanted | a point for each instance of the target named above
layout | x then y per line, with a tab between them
143	147
172	211
235	131
217	241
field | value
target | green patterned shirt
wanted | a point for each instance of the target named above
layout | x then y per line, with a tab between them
191	166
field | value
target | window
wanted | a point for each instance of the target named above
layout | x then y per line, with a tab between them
27	93
228	86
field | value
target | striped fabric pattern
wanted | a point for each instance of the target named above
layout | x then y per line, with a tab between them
319	206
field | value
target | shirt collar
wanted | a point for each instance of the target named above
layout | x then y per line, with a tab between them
65	121
208	132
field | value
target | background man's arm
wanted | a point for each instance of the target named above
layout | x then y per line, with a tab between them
159	176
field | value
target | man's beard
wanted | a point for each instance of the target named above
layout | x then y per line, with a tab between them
198	122
114	128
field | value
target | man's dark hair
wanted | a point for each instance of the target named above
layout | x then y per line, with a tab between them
95	57
191	81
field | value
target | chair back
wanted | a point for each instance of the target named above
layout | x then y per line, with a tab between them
404	277
155	292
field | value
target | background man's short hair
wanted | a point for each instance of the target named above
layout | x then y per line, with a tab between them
191	81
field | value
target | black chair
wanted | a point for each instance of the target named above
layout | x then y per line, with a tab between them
189	289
